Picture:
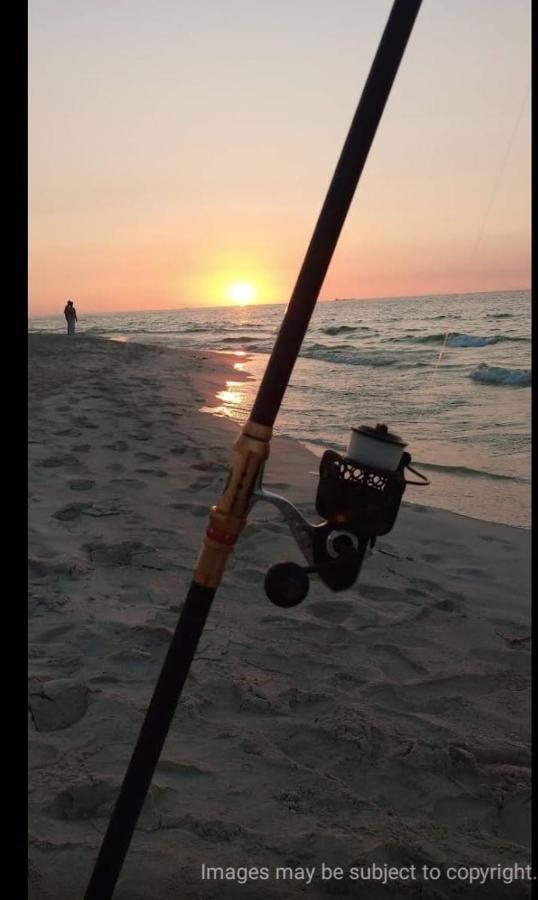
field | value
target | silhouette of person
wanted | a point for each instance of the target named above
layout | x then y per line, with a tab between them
70	314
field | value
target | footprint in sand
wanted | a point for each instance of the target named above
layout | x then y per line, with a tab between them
252	576
431	557
308	746
179	450
105	679
465	686
126	553
43	568
81	484
127	655
74	511
447	605
52	634
195	509
55	462
200	483
472	571
517	661
206	467
397	664
464	810
379	592
334	611
283	622
129	482
294	698
153	634
67	432
84	422
58	704
40	754
85	799
248	698
176	767
432	589
361	675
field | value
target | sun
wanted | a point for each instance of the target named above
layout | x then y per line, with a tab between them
241	292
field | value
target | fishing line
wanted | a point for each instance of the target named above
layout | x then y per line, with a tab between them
429	395
478	240
500	173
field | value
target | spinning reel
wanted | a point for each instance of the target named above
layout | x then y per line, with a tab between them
358	498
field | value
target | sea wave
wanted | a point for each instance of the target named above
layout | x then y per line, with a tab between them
187	328
462	339
238	339
333	330
501	376
136	329
446	316
343	354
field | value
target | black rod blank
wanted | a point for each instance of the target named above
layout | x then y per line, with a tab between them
269	397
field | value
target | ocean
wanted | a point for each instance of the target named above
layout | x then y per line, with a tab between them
451	374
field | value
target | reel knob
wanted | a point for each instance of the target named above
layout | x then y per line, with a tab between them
286	584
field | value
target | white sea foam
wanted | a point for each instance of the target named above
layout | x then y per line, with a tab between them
499	375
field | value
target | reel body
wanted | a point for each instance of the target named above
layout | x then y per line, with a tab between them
357	501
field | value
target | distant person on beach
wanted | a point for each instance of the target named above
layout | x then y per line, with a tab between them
70	314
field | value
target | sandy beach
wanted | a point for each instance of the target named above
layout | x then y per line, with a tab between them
389	723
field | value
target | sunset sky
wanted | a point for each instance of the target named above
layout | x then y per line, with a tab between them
180	150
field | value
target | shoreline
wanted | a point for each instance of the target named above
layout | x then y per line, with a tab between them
213	385
472	434
315	457
213	380
368	724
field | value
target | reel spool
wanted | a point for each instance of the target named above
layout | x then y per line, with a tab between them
358	498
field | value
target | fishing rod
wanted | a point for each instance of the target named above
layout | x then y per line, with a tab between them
359	494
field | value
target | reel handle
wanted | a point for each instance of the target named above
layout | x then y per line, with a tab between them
287	583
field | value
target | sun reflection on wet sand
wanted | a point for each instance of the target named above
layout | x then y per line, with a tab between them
232	394
232	399
235	395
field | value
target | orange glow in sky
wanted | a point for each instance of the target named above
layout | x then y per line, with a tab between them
183	160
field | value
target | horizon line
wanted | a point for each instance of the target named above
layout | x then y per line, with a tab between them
111	312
